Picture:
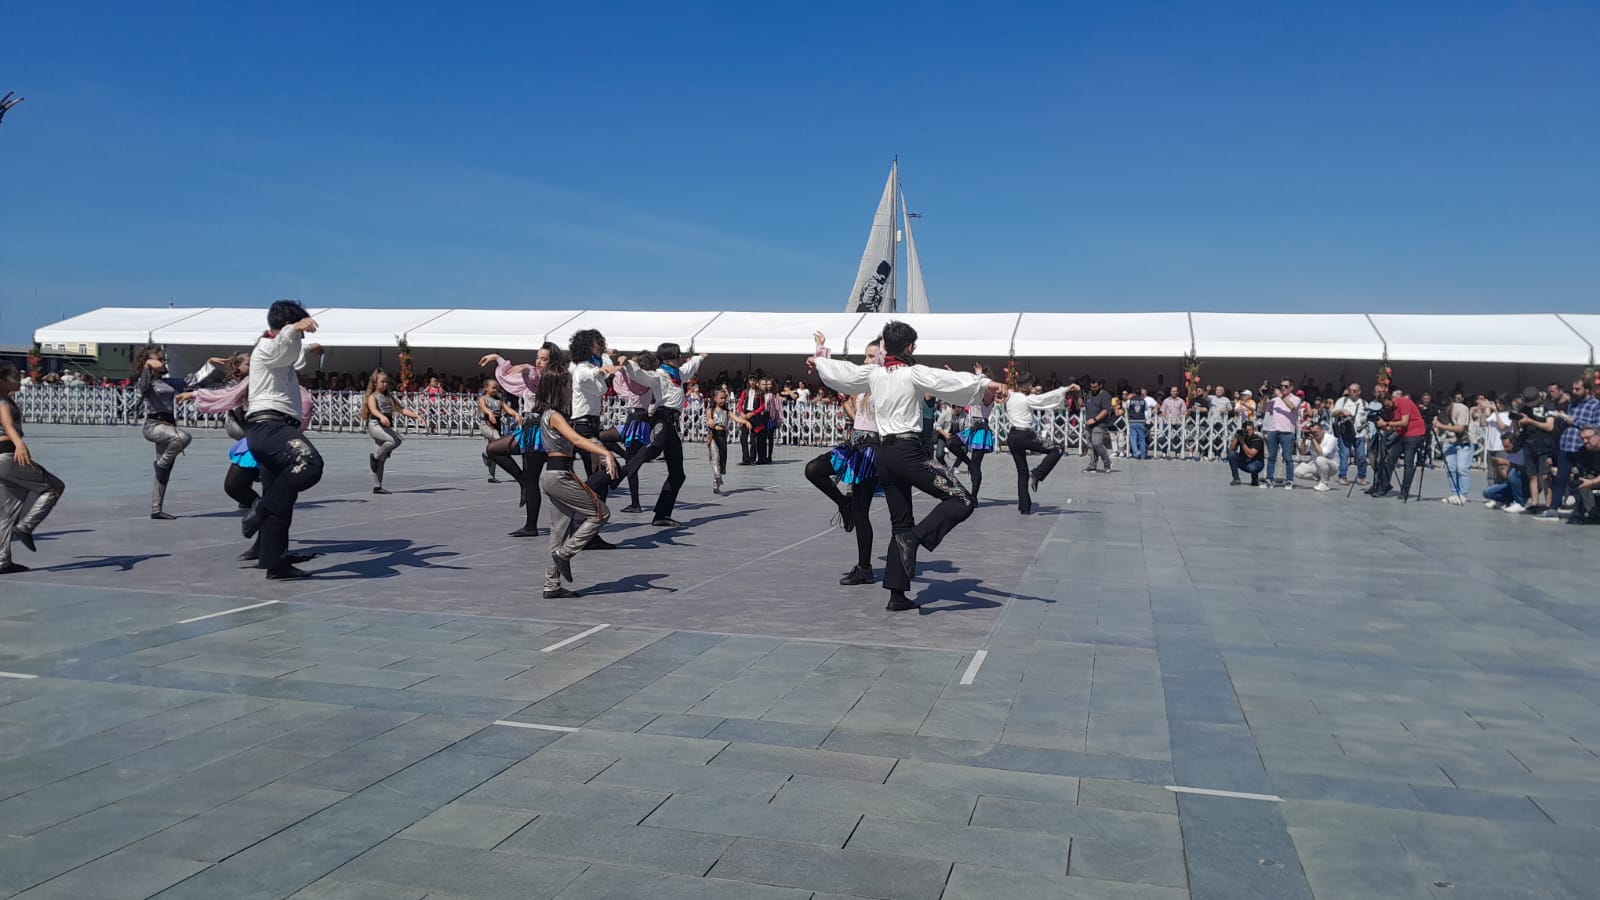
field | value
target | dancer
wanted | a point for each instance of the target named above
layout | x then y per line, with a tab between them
750	412
1020	405
490	410
772	401
855	463
577	511
522	380
717	419
160	393
378	409
977	438
667	380
289	462
897	387
635	430
20	478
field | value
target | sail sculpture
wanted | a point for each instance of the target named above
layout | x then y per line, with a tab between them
916	290
876	277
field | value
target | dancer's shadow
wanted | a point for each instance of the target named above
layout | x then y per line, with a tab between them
707	520
745	490
655	537
430	490
394	556
961	594
301	505
630	584
942	566
53	535
120	563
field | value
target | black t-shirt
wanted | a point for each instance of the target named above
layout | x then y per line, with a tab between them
1134	409
16	419
1098	402
1254	442
1588	464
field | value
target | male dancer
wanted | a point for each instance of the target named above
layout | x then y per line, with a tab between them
667	382
635	430
750	414
289	463
855	463
897	387
1020	406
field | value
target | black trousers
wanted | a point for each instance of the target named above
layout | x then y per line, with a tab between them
745	457
289	464
595	477
239	484
665	442
1021	442
902	466
1407	450
819	471
720	436
764	443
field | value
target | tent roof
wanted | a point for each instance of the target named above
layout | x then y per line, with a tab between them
347	327
643	330
1587	327
218	327
1102	335
938	334
494	329
112	325
1529	338
1280	336
751	332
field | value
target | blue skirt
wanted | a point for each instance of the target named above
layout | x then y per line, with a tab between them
239	455
636	430
530	437
978	437
856	460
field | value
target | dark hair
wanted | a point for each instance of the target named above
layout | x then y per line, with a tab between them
582	344
646	360
8	371
285	312
143	354
1025	379
669	352
555	390
897	338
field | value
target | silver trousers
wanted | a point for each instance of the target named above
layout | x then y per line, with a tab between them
170	440
387	440
490	434
576	515
17	484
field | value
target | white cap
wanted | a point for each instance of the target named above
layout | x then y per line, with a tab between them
1245	394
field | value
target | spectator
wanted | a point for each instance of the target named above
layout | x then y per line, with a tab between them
1246	453
1322	449
1453	423
1587	469
1407	431
1511	492
1136	410
1496	425
1173	409
1097	424
1218	411
1282	422
1583	411
1536	424
1430	412
1245	406
1353	429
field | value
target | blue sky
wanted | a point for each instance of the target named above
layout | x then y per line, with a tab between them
1419	157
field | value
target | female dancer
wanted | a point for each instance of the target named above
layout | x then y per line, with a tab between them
855	462
20	478
378	409
490	409
522	380
576	511
977	439
635	430
160	393
717	418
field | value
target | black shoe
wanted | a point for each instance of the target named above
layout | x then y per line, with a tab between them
372	463
1235	481
287	572
493	480
1383	493
563	566
245	506
1090	470
162	517
633	508
908	544
561	593
847	517
250	524
524	532
899	602
1033	482
10	568
599	543
379	490
858	575
666	522
744	462
25	538
250	555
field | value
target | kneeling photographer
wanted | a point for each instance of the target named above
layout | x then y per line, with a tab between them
1247	453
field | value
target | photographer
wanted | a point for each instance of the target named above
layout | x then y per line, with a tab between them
1538	434
1246	453
1511	492
1583	411
1407	431
1586	468
1452	423
1321	450
1353	429
1282	421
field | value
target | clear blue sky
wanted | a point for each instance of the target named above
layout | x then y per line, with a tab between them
1263	156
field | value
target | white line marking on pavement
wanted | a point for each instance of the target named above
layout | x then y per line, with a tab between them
16	675
228	612
1237	795
574	639
533	725
750	562
974	666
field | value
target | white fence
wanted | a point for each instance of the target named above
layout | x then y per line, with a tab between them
1196	437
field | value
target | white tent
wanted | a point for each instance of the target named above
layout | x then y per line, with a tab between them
494	329
1588	328
1528	338
347	327
777	333
1280	336
634	331
218	327
112	325
1102	335
938	334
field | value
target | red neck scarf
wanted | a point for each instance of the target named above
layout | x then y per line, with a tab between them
890	361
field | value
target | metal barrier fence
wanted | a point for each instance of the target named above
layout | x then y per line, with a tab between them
1195	437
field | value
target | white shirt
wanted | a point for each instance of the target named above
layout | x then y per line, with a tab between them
1328	447
589	389
1020	407
1356	409
1493	426
669	393
274	386
897	392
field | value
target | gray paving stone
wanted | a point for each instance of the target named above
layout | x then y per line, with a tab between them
601	802
682	726
559	765
437	868
611	883
1126	795
364	764
850	872
716	815
996	782
692	751
237	824
66	846
1118	826
973	882
365	676
893	800
674	778
124	875
467	825
338	889
632	846
795	761
1005	848
781	734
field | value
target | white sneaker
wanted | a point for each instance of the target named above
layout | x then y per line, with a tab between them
1263	485
1322	486
1288	486
1513	507
1490	504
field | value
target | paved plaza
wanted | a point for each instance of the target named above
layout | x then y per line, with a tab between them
1353	698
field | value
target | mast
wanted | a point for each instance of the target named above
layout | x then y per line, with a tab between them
894	239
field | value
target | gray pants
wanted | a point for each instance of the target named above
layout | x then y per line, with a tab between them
387	440
170	440
1100	447
17	484
576	515
490	434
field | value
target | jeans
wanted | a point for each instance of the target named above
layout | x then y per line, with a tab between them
1513	490
1458	466
1237	463
1280	443
1357	450
1561	482
1138	439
